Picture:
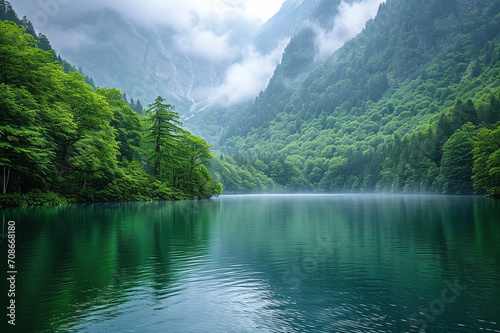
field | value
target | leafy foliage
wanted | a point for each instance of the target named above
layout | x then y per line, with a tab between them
59	136
456	164
487	161
161	135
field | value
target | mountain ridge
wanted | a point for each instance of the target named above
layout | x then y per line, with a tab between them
376	115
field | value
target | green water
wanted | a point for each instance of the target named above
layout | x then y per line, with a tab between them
325	263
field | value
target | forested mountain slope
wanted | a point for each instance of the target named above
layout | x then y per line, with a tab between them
404	106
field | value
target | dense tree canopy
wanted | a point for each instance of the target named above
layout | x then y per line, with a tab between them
59	136
456	164
487	162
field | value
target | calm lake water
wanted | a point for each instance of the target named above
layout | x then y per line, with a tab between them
290	263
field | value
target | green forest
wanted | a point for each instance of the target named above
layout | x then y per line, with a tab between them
410	105
61	141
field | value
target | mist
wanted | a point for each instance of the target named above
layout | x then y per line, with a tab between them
245	79
217	32
350	21
192	19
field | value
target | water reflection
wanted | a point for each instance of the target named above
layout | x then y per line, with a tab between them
333	263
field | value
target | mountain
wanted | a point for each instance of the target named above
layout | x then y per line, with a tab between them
315	29
383	113
295	15
196	68
289	21
144	61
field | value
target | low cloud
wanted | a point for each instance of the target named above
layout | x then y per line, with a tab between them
180	15
217	32
350	21
205	44
72	38
245	79
248	77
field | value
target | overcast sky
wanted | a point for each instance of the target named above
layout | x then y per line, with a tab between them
178	13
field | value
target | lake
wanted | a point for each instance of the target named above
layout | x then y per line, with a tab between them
259	263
